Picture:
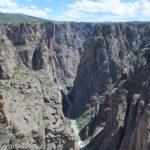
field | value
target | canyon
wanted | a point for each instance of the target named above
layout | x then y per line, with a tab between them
72	86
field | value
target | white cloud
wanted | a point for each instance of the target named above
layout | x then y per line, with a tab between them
107	10
47	9
12	7
7	3
33	7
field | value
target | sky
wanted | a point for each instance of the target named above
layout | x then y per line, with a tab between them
81	10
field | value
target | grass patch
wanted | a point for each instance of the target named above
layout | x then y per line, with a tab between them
19	47
20	71
65	90
45	109
10	147
19	141
67	121
5	87
84	119
50	84
16	72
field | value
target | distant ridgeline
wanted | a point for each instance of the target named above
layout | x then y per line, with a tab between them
18	18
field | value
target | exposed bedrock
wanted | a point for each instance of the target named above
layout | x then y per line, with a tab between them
53	48
37	61
108	57
113	77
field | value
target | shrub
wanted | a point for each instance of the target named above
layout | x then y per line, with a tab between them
84	119
19	47
5	87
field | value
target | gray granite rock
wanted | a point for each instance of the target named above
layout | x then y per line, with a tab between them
114	68
36	62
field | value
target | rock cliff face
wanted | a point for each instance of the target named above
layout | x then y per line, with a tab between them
113	77
37	61
54	48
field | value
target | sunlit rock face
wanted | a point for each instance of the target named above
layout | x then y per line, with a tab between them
50	47
37	61
113	77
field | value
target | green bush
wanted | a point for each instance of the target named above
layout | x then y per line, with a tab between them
5	87
67	121
20	71
10	147
84	119
19	47
19	141
50	84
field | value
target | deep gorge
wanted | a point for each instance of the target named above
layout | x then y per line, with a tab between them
100	70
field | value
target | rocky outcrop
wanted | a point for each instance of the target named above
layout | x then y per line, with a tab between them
129	129
37	61
113	77
3	74
8	57
54	48
111	52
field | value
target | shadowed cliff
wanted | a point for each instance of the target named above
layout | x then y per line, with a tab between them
113	78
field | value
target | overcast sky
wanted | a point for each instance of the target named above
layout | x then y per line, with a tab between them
81	10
